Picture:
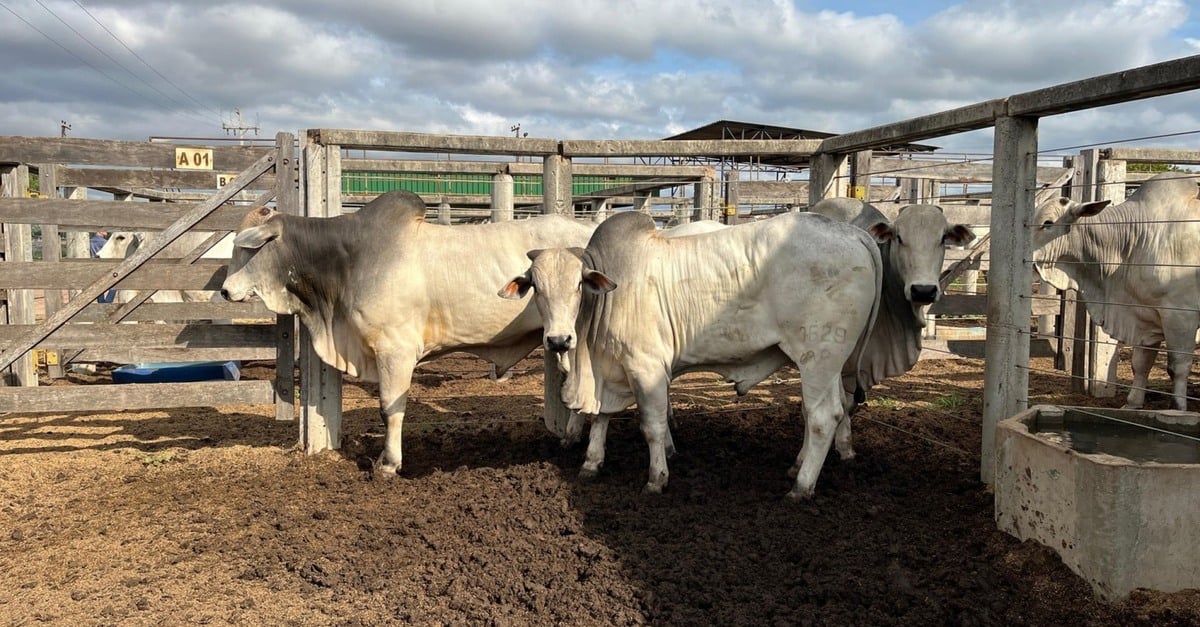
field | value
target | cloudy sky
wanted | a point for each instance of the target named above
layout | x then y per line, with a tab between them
130	69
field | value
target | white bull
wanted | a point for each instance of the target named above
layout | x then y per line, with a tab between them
381	290
1137	265
640	309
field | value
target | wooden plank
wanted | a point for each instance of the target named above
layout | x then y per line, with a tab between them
145	355
1131	154
1159	79
976	304
947	172
109	153
15	350
1169	77
14	181
488	168
428	142
320	383
254	310
205	274
575	148
111	397
169	335
93	215
287	200
51	252
97	178
967	118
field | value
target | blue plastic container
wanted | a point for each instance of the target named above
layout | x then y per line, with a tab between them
177	372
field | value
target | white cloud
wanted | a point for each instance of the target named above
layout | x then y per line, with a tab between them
563	68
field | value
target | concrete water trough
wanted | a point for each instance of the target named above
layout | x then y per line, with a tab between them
1116	493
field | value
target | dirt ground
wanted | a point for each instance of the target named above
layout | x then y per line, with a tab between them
209	516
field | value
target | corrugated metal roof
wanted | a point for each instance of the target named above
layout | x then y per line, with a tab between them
732	129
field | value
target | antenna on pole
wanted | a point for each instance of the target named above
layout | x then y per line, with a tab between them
63	127
239	129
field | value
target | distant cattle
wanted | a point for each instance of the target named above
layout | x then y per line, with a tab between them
636	309
122	244
913	247
381	290
1137	266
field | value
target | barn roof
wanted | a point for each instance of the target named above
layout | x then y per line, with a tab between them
731	129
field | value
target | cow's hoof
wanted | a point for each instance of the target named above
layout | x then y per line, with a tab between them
587	473
384	471
847	456
652	488
796	495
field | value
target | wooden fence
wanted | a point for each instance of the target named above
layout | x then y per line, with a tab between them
92	185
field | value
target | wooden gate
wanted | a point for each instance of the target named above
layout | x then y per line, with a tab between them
77	328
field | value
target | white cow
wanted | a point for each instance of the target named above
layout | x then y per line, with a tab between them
122	244
574	429
1137	266
381	290
913	247
640	309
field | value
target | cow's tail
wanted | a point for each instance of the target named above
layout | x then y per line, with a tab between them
861	386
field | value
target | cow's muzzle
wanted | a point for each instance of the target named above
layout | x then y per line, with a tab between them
559	343
923	294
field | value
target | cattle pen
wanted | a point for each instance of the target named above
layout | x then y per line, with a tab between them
91	185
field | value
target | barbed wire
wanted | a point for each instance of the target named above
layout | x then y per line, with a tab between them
1116	384
1112	304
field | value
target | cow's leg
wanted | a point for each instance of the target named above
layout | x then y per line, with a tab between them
594	458
574	431
1181	346
822	412
841	437
395	378
1141	362
653	403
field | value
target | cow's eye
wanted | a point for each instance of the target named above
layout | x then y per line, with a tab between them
899	240
1048	223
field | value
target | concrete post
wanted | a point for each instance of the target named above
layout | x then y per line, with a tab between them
556	185
1006	355
443	215
599	210
1102	351
502	197
703	196
823	177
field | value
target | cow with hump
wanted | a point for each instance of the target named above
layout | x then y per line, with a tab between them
635	309
1137	266
913	247
381	290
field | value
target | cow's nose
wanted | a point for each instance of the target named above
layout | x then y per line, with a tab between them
225	295
923	294
558	343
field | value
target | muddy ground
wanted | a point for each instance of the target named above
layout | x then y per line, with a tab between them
209	516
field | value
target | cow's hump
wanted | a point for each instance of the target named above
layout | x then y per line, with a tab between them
398	205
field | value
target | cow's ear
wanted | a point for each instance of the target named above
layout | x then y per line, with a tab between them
256	236
597	282
883	232
535	253
516	288
1088	209
958	235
